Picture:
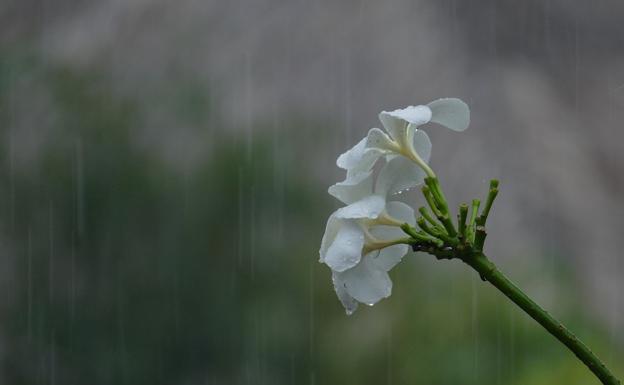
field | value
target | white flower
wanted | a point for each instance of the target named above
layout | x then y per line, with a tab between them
403	136
359	243
363	240
368	281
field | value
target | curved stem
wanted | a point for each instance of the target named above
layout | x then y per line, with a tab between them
412	155
374	244
488	272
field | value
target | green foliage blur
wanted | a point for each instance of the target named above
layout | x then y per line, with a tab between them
121	269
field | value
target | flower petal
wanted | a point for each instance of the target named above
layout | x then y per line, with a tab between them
369	207
386	233
389	257
351	157
450	112
359	158
348	302
395	122
346	249
377	139
353	188
422	145
397	175
402	212
366	282
331	230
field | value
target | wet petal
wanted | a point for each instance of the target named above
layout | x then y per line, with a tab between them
331	230
355	187
397	175
395	122
366	282
389	257
450	112
346	249
351	157
359	158
348	302
387	233
369	207
422	145
378	139
402	212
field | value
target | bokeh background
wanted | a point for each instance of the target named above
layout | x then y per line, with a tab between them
163	176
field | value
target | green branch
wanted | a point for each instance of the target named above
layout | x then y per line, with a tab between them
470	228
461	220
488	272
444	242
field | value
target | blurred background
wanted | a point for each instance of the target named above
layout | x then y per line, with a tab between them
163	177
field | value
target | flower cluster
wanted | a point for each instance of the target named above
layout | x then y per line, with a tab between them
363	240
370	235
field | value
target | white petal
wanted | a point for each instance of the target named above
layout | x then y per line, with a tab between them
346	249
355	187
397	175
348	302
422	145
387	233
402	212
369	207
395	122
359	158
331	230
366	282
378	139
369	157
352	157
450	112
389	257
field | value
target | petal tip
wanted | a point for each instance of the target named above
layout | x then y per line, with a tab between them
452	113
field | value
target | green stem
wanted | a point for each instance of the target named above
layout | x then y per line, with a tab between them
420	237
479	237
434	232
488	203
411	154
470	229
461	220
488	272
442	205
437	193
425	213
430	201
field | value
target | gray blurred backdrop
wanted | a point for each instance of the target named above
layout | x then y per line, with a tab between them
164	173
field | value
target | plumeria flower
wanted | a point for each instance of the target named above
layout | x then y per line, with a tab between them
402	136
363	240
